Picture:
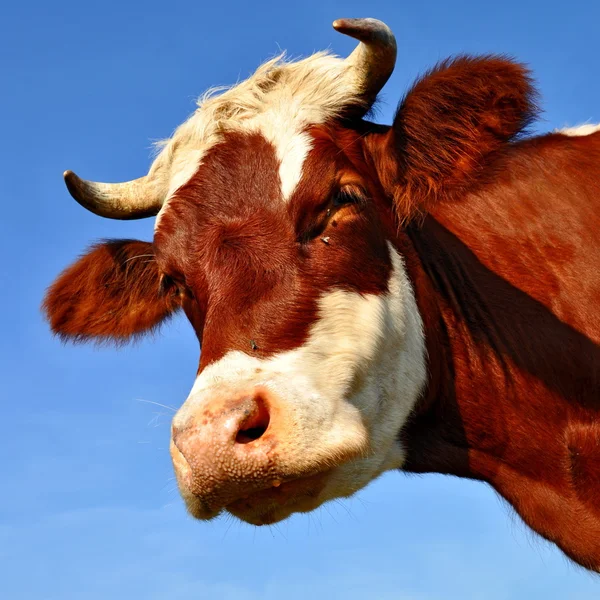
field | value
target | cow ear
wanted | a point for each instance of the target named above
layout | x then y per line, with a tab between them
113	292
450	128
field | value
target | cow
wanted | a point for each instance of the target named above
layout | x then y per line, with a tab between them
421	296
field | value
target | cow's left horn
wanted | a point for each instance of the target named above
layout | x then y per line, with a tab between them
135	199
373	59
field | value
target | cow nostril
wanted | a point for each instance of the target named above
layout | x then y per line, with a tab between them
255	425
249	435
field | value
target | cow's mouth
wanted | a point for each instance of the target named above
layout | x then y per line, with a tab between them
278	502
266	506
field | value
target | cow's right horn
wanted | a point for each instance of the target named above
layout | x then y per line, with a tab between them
135	199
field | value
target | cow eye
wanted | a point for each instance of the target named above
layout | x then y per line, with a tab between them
166	284
344	197
169	285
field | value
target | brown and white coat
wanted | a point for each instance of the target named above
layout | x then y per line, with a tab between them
422	296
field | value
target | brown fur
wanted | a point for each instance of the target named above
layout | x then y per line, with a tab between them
111	293
449	128
507	282
257	265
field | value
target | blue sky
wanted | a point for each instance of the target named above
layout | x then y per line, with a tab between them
89	508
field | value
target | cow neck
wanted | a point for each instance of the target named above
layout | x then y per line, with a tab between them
512	389
434	436
482	378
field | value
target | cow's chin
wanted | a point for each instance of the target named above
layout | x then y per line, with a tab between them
268	506
277	503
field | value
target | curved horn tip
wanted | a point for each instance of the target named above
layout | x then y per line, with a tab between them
135	199
364	30
73	183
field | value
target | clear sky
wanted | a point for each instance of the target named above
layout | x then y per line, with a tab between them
88	508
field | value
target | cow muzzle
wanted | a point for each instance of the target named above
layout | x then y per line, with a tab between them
232	451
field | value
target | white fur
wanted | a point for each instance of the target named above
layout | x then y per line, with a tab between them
291	146
352	384
292	151
580	130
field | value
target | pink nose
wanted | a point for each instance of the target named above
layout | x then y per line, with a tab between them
225	449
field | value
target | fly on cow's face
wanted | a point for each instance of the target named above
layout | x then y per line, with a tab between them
347	196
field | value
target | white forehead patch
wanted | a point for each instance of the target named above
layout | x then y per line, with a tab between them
580	130
292	145
291	153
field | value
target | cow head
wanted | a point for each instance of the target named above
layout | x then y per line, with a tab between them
277	232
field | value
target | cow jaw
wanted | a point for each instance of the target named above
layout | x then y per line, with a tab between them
335	407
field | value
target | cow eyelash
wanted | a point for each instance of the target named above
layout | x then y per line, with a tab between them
165	283
342	198
347	195
170	285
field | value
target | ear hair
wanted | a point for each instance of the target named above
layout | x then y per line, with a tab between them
112	293
449	128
